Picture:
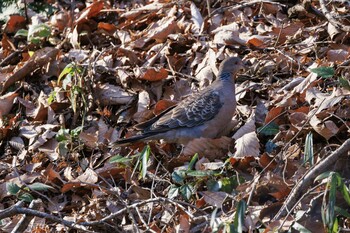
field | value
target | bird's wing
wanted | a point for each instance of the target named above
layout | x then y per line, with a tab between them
148	123
193	111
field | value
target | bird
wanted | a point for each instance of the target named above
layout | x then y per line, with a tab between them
205	113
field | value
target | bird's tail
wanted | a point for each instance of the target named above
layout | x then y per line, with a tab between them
128	141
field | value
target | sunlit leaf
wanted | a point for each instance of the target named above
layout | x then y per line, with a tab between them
12	188
173	191
324	72
39	186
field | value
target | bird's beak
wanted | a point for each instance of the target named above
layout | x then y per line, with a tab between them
244	65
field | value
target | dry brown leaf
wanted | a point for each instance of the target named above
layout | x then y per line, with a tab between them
247	145
109	94
326	129
337	55
248	127
154	75
196	17
6	103
15	23
207	147
89	12
39	59
214	198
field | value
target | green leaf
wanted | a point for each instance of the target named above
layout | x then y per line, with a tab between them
178	176
119	159
345	192
144	156
186	191
201	173
228	184
67	70
12	188
323	176
300	228
271	129
66	81
344	83
324	72
27	197
21	33
62	148
37	32
341	211
75	132
213	185
240	215
62	135
52	97
173	191
327	209
192	162
309	150
40	186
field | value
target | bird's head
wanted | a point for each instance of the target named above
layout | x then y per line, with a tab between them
231	65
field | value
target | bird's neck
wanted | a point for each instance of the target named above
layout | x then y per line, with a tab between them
225	77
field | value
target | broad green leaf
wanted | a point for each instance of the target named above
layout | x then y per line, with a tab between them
173	191
324	72
323	176
213	185
62	135
63	148
178	176
186	191
22	32
270	129
39	186
12	188
201	173
344	83
228	184
37	32
27	197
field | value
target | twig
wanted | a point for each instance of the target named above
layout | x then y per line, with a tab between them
331	19
25	220
18	209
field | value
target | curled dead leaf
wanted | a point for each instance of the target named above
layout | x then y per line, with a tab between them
6	103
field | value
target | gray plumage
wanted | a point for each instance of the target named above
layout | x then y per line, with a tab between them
206	113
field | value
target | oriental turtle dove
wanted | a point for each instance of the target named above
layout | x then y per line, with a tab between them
206	113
